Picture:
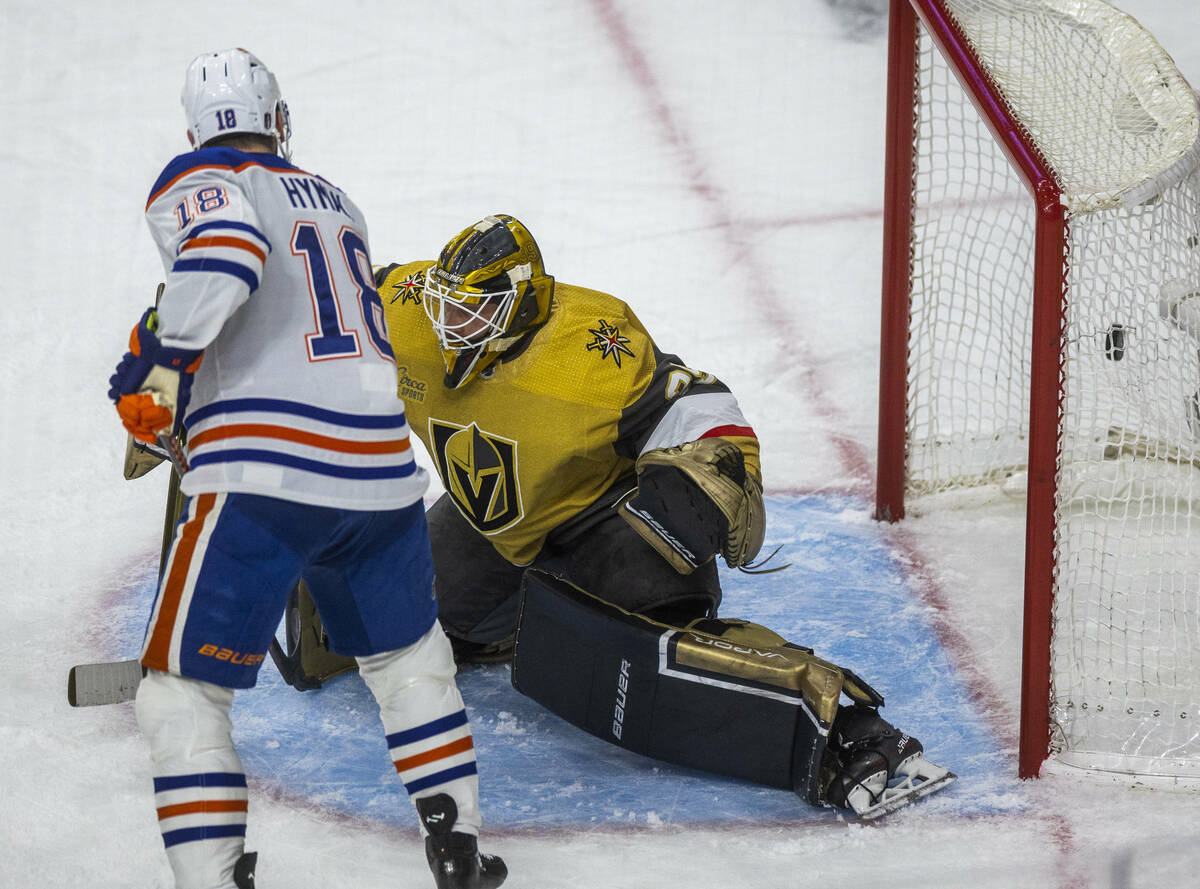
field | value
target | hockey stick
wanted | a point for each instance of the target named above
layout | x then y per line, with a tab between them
114	682
140	457
89	685
174	448
92	685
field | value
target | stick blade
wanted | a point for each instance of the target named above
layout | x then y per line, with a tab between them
90	685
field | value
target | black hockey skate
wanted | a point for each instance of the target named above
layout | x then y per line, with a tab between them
243	870
454	857
874	767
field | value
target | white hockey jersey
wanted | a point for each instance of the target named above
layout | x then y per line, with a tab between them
268	271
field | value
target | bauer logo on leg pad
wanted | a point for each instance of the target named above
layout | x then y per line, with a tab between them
622	699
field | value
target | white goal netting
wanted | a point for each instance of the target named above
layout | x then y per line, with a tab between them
1113	119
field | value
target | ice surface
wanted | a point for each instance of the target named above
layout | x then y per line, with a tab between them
719	166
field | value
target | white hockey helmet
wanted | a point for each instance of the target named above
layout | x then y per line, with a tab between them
231	91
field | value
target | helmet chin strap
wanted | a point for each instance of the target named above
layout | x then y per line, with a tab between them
501	344
464	363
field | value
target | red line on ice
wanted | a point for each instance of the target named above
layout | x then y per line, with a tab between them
855	463
762	290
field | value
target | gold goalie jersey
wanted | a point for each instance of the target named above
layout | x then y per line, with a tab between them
543	432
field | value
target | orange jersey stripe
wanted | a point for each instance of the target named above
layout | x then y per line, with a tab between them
204	805
446	750
265	430
159	646
215	241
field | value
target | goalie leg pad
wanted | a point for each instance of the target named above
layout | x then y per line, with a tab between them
760	712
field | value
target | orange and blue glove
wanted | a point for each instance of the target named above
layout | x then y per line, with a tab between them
152	383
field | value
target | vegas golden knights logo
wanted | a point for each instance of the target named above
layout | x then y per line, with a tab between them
479	471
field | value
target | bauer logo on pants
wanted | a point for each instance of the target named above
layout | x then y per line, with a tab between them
479	471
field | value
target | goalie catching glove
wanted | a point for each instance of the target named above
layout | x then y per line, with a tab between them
152	383
697	500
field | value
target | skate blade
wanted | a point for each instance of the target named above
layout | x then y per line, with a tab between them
915	778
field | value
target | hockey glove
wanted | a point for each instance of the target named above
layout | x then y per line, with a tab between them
697	500
152	383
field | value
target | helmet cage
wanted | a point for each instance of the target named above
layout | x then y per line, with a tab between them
466	317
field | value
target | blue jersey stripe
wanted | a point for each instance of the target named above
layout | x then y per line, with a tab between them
201	779
229	158
443	777
428	730
208	832
250	455
223	266
235	226
299	409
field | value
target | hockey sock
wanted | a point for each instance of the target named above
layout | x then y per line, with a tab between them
199	784
428	735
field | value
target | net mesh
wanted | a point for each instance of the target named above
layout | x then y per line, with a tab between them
1111	116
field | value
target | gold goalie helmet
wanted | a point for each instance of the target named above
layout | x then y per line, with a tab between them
487	289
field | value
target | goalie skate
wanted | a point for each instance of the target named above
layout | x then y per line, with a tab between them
875	768
878	794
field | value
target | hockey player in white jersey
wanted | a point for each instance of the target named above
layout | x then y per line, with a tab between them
269	344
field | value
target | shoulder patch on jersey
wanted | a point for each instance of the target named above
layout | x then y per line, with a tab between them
607	340
404	288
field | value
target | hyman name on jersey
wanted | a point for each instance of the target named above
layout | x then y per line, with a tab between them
307	193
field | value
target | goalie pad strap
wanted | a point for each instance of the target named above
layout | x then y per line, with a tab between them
687	697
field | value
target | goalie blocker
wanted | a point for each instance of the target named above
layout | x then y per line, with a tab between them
694	501
723	696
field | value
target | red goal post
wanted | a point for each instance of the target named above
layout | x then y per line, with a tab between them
1041	245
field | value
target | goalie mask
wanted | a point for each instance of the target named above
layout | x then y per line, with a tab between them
230	92
487	288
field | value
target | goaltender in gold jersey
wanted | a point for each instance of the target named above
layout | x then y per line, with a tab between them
590	481
540	434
